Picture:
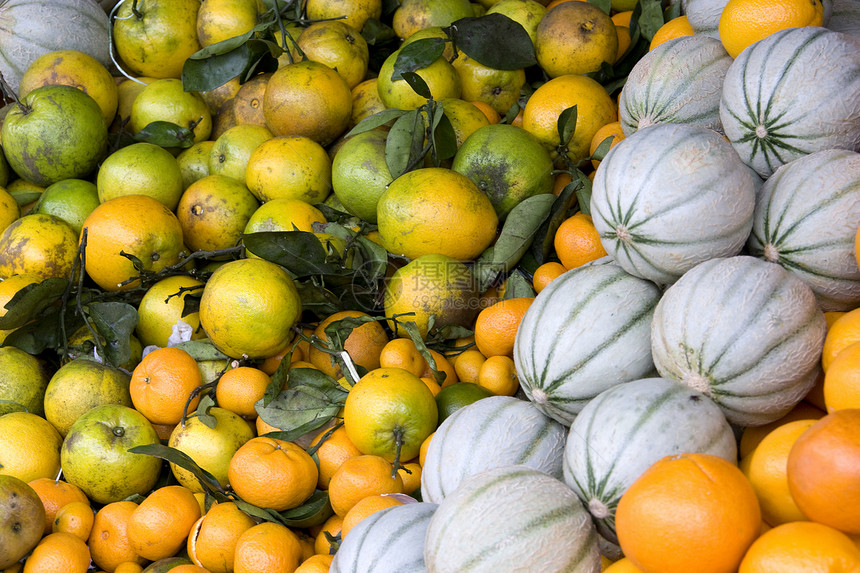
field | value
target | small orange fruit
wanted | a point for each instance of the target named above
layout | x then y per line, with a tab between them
545	274
332	526
402	353
59	553
365	507
240	388
801	546
577	241
162	384
335	450
212	541
267	548
364	344
108	542
159	526
496	326
54	495
273	473
498	374
360	477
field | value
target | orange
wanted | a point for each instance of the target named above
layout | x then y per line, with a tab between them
212	541
331	526
54	495
220	20
364	344
365	101
688	512
842	380
284	215
441	78
289	167
267	548
70	199
575	38
213	212
402	353
612	130
443	365
360	477
414	15
308	99
77	518
239	389
230	153
336	449
158	527
423	453
354	13
675	28
499	375
29	447
753	435
744	22
43	246
499	89
139	226
272	473
248	102
801	546
468	365
545	274
25	380
388	413
577	241
141	169
491	114
188	568
194	162
338	45
844	332
315	564
766	466
162	384
496	326
365	507
544	107
623	566
167	100
59	553
128	567
162	307
410	473
823	466
108	540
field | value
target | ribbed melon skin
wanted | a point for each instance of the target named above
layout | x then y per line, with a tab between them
669	197
794	93
625	429
587	331
492	432
846	17
388	541
513	519
679	81
743	331
806	217
704	15
30	28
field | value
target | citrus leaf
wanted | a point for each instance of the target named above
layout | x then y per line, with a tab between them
605	5
583	195
37	336
520	229
299	252
602	148
184	461
650	18
544	237
313	511
567	125
202	413
378	119
412	330
202	349
417	55
495	41
165	134
417	84
444	138
404	143
313	378
30	301
298	410
318	299
260	513
376	32
518	286
115	321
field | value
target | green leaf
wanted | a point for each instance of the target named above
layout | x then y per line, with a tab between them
299	252
165	134
567	125
313	511
374	258
202	413
417	55
603	148
651	17
404	144
25	197
115	321
495	41
378	119
37	336
518	286
376	33
543	240
30	301
313	378
583	195
444	138
183	460
260	513
299	409
605	5
520	228
417	84
412	330
318	299
201	350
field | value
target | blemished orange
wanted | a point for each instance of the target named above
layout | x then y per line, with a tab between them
59	553
675	28
499	375
54	495
360	477
161	309
212	541
76	518
744	22
801	546
365	507
842	380
363	344
239	389
267	548
162	384
331	526
272	473
844	332
336	449
108	540
468	365
545	274
823	467
753	435
766	467
315	564
402	353
159	526
577	241
496	326
688	512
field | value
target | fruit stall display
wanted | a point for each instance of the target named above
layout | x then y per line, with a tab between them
430	285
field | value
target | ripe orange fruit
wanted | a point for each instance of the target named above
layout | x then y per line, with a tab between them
753	435
545	274
688	512
138	225
54	495
744	22
108	542
219	20
823	466
29	447
675	28
59	552
239	389
353	13
162	384
338	45
577	241
158	527
575	38
360	477
843	332
331	526
365	507
212	541
499	375
272	473
77	518
410	473
267	548
291	166
468	364
496	326
801	546
315	564
335	450
402	353
443	365
364	344
612	130
842	380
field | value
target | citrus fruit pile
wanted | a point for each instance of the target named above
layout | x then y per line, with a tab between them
430	285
